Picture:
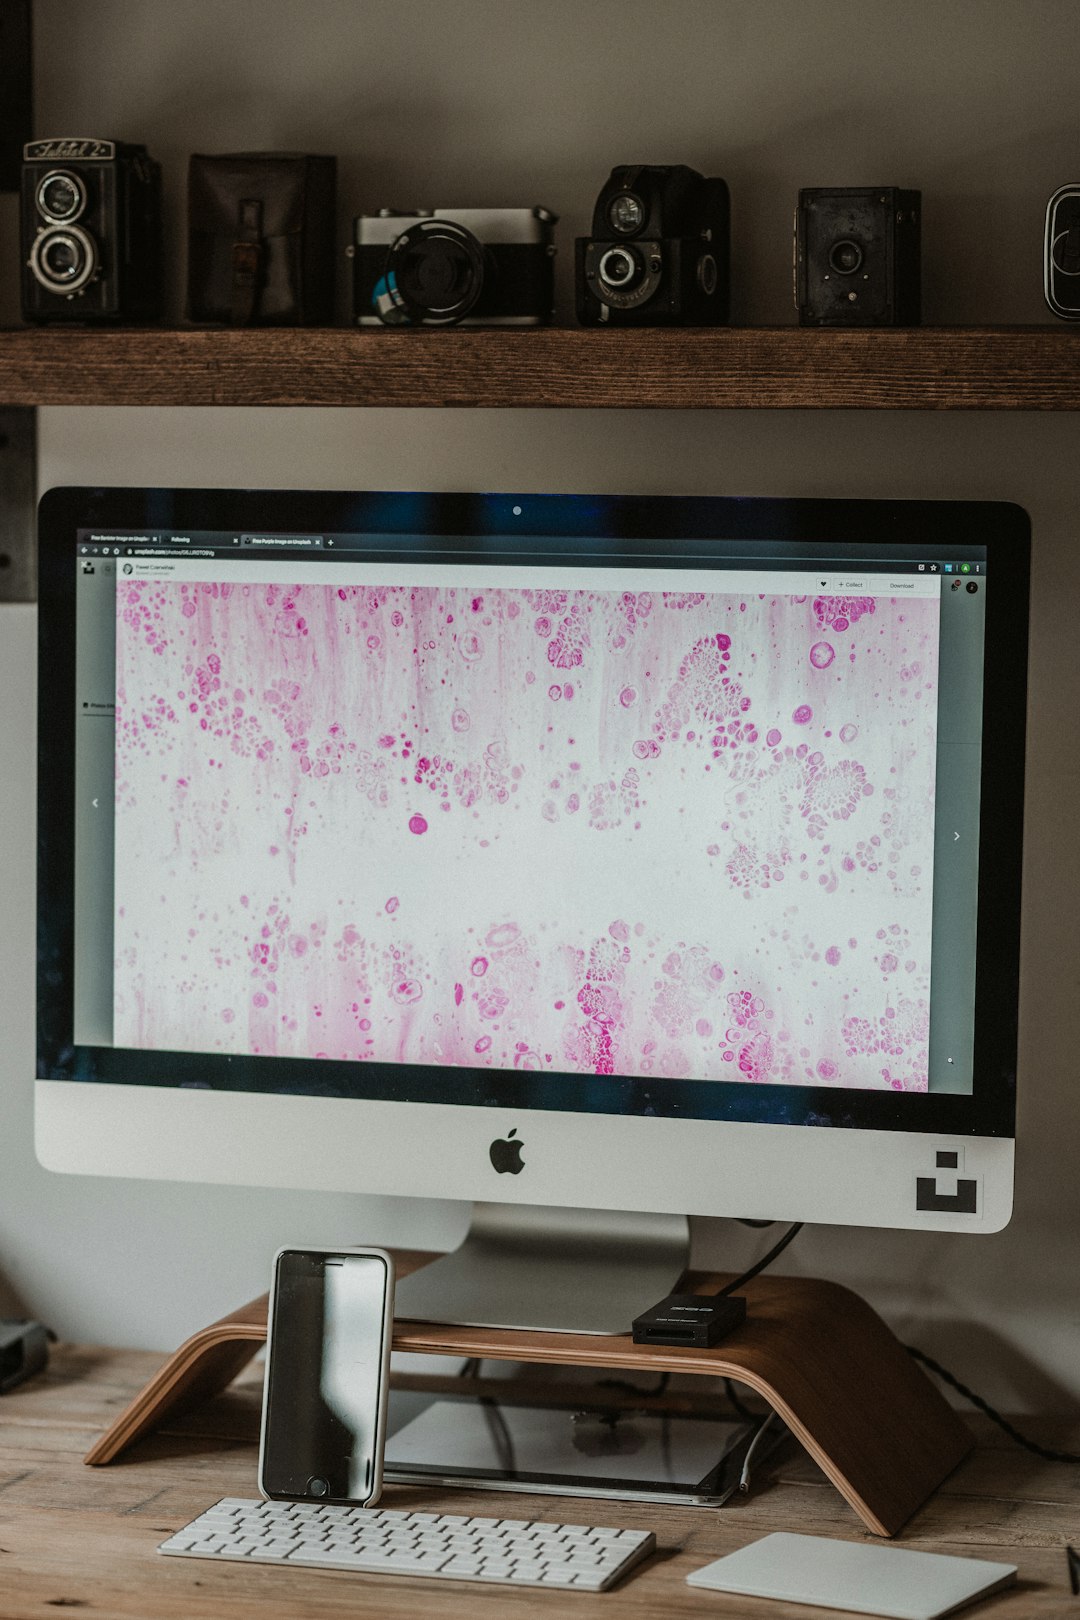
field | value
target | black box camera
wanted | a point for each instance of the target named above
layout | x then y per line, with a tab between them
857	256
1061	253
454	267
658	253
91	232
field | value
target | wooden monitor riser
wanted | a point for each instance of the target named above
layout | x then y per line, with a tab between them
816	1352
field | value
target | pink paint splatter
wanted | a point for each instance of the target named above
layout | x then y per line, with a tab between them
657	775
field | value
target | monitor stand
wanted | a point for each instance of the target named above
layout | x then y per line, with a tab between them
817	1353
554	1270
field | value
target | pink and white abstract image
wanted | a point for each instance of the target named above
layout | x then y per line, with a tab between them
662	833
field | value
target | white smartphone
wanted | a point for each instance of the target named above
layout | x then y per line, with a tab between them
331	1320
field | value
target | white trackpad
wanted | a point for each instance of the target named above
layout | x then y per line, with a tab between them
890	1581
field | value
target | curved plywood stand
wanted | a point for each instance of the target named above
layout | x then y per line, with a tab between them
816	1352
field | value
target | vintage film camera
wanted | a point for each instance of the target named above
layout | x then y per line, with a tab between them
1061	253
91	232
659	249
857	256
454	267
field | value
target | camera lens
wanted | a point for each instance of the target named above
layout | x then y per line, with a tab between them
61	196
626	213
619	267
438	271
845	257
63	260
317	1486
972	586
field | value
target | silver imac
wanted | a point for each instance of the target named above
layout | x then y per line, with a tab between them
603	860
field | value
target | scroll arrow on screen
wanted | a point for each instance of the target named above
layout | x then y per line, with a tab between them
956	835
94	803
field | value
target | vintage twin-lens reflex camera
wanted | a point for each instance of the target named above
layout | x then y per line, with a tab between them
454	267
91	232
857	256
658	253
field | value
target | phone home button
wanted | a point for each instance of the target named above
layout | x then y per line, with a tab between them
317	1486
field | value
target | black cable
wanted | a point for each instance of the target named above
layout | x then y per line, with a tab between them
738	1405
766	1260
624	1384
995	1417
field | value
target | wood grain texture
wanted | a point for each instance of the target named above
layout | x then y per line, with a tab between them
815	1352
77	1538
1023	368
204	1365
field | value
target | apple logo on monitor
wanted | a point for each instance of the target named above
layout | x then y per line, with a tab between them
505	1154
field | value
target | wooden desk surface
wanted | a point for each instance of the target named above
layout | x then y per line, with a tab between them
84	1539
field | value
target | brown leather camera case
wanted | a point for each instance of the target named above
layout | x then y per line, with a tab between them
261	239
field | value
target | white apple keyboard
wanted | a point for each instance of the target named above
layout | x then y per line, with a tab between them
379	1541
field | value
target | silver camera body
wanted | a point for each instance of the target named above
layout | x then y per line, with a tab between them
454	267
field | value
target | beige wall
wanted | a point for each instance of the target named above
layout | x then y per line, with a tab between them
489	102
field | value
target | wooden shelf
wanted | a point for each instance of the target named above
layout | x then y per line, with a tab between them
1022	368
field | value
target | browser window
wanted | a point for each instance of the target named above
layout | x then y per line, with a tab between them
660	819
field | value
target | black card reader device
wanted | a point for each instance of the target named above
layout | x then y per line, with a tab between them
696	1320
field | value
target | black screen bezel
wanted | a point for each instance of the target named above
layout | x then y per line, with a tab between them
902	528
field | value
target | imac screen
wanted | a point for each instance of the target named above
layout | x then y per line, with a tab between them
368	816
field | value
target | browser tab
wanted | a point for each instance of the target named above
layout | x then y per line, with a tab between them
293	542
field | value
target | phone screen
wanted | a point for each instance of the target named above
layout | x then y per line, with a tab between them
323	1380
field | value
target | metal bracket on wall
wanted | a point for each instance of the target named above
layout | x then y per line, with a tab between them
18	489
